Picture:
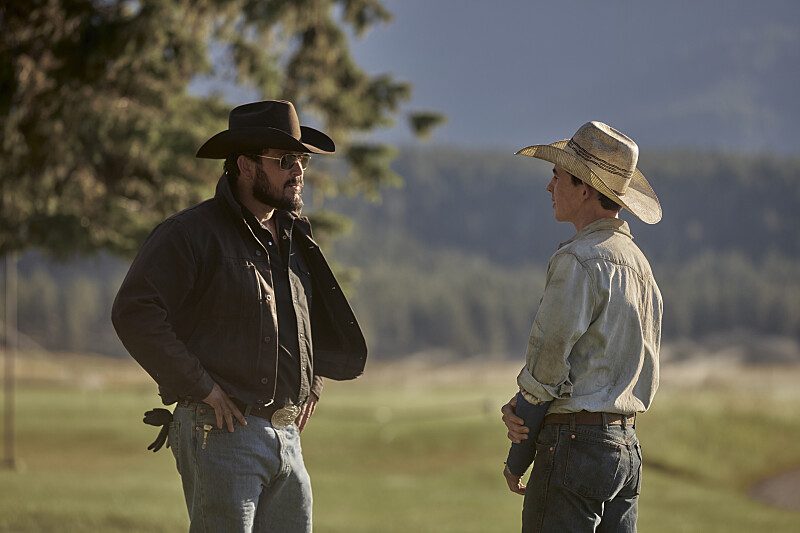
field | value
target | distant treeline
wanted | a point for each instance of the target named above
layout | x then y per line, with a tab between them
456	258
67	306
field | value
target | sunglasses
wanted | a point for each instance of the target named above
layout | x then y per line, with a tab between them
288	160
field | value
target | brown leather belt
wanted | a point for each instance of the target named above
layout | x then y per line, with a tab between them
280	416
586	418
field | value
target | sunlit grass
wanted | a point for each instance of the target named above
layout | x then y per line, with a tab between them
84	465
391	453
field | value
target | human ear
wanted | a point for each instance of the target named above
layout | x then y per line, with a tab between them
244	163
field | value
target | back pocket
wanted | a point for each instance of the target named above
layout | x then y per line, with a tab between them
592	467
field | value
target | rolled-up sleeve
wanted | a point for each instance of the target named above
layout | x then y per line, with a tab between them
564	315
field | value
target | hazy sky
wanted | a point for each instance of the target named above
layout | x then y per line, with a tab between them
509	73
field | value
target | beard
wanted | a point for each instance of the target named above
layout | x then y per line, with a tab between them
285	198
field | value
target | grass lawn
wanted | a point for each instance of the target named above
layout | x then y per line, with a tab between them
390	453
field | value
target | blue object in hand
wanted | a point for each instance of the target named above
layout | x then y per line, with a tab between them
521	455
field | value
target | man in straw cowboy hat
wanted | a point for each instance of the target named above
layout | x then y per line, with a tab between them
592	357
232	309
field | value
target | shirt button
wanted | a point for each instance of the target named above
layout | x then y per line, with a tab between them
267	339
264	381
269	297
258	253
284	237
270	243
301	335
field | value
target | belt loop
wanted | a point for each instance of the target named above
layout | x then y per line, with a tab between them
634	420
605	420
624	421
572	421
247	409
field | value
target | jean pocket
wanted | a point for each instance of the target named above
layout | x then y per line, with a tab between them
638	484
592	467
174	441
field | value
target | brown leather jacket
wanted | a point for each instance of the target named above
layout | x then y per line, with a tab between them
197	306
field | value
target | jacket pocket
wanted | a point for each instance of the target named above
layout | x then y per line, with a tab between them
233	291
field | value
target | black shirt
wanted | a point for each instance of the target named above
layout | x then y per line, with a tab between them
292	289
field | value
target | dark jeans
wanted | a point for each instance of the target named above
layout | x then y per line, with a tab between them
585	478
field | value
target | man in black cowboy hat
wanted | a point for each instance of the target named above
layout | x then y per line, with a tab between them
232	309
592	357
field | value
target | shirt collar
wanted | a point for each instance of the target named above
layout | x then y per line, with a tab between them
603	224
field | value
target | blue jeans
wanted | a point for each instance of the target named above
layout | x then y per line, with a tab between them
587	478
251	480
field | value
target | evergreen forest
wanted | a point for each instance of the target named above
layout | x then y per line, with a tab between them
454	260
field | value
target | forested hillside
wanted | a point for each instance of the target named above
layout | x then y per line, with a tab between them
455	259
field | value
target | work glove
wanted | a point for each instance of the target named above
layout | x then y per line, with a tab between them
158	417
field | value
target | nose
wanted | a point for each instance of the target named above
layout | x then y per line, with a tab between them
549	187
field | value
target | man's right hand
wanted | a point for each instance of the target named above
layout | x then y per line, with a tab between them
514	482
517	432
224	408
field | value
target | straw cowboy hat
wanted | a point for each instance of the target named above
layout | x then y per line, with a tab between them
606	159
268	124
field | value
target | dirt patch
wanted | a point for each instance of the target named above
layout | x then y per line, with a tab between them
781	491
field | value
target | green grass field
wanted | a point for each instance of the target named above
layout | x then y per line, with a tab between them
403	449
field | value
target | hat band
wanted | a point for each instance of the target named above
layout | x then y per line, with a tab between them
601	163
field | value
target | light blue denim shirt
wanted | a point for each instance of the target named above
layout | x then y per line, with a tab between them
595	340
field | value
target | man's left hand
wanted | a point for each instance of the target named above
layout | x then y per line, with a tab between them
517	431
514	482
308	410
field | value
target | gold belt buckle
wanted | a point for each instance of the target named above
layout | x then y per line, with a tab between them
285	416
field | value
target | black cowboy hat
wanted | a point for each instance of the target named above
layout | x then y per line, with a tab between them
269	124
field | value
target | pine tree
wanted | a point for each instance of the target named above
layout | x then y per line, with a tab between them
99	125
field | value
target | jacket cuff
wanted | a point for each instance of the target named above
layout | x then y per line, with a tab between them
316	386
201	390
